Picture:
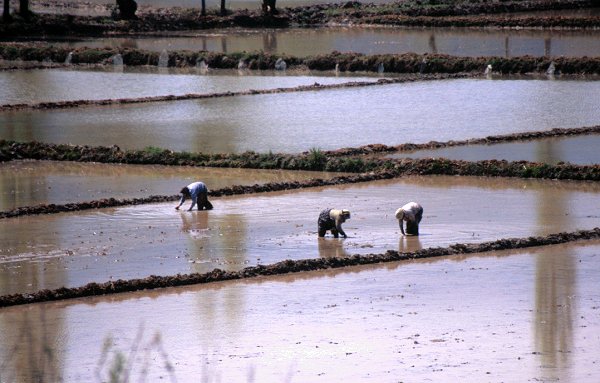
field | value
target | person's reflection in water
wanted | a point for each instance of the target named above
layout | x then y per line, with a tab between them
547	46
129	43
409	244
330	248
432	45
196	224
270	42
224	44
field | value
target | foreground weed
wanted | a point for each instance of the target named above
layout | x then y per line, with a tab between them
115	366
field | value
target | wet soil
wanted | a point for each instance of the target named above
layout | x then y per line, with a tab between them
383	321
241	234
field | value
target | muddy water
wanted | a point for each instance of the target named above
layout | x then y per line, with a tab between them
391	114
28	183
532	316
39	252
581	150
47	85
308	41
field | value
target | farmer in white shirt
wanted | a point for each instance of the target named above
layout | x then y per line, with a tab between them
198	192
412	213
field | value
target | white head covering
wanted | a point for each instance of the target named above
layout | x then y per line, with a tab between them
399	213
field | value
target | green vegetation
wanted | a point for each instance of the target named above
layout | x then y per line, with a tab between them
315	159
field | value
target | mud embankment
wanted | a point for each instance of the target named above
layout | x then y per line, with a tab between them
343	62
312	160
417	13
480	14
354	160
522	22
357	11
198	96
489	140
367	169
288	266
227	191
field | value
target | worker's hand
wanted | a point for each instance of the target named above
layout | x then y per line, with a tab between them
176	207
189	209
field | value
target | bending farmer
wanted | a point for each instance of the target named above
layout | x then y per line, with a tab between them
332	219
412	213
198	192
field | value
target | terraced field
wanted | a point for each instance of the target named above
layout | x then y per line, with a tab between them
101	279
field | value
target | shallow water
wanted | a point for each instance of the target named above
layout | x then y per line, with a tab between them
51	85
580	150
38	252
532	316
370	40
330	119
28	183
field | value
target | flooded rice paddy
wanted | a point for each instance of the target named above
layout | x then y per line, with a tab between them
52	85
374	40
28	183
526	315
580	150
73	249
532	316
293	122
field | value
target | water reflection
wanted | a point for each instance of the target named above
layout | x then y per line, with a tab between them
26	260
244	231
35	86
27	183
580	150
331	248
34	351
309	41
555	280
409	244
374	313
296	122
195	223
555	311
